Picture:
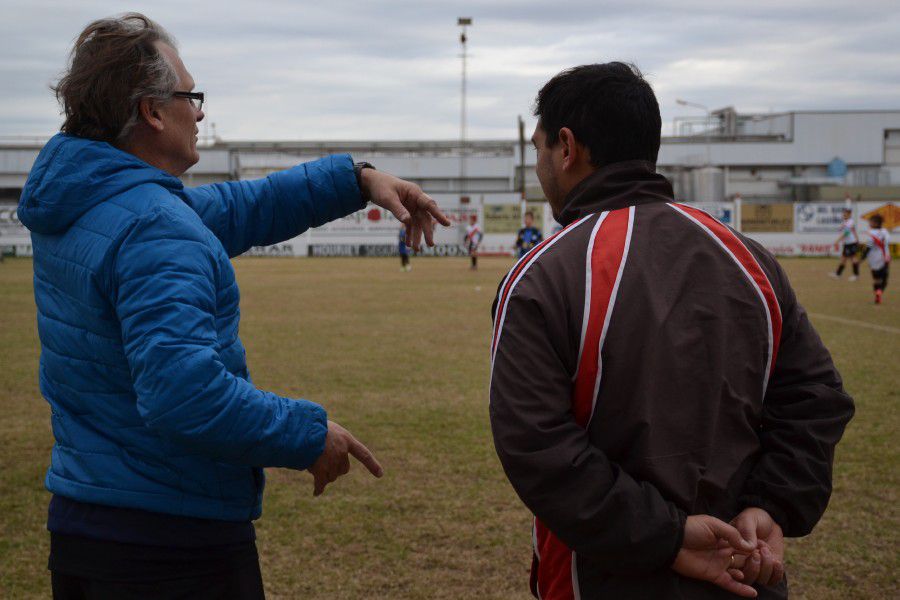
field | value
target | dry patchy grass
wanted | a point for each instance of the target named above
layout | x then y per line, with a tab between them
401	360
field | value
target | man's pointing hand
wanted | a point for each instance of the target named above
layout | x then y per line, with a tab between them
406	201
335	459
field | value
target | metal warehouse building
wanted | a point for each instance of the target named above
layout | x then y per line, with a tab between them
791	172
795	156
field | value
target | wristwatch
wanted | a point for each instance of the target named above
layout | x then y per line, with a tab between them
357	170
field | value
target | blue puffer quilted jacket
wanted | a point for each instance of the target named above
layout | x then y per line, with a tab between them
137	310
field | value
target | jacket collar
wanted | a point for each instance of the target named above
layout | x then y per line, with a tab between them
614	186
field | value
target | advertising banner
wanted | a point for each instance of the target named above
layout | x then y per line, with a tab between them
331	250
283	249
889	211
375	225
798	244
372	220
818	217
14	237
508	218
502	218
789	248
10	227
767	217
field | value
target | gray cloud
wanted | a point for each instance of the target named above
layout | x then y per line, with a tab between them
390	69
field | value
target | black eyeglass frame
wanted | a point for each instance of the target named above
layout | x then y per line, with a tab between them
192	96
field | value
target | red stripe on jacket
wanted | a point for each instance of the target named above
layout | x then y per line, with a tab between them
510	281
748	262
608	249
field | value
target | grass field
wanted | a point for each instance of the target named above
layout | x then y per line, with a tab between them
401	359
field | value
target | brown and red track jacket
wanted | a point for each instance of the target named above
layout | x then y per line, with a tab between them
649	363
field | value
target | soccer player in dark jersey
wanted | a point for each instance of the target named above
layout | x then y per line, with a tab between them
529	236
403	250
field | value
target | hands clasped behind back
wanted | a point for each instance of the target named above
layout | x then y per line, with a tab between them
748	551
765	566
707	553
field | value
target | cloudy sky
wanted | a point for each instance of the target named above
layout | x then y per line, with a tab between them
335	69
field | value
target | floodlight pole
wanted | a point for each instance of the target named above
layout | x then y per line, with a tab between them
708	122
521	179
523	197
463	22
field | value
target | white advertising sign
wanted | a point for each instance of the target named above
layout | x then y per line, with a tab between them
14	236
818	217
9	222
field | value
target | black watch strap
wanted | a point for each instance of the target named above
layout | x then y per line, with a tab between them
357	170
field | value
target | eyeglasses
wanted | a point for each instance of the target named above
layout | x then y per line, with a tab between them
195	98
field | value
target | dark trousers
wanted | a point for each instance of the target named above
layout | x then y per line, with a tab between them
84	569
880	277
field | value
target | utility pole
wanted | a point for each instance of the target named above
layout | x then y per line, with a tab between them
463	22
523	201
521	181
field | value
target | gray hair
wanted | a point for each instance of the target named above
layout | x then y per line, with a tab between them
113	65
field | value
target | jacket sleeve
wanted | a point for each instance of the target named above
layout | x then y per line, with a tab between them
259	212
164	293
805	411
584	498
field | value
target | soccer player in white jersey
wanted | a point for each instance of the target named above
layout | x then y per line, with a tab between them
473	240
877	252
850	246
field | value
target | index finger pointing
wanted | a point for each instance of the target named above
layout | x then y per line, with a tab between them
435	211
365	456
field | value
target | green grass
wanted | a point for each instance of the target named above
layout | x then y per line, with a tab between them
401	359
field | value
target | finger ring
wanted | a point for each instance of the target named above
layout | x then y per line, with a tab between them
732	561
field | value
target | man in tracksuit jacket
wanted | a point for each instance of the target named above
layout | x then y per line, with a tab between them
653	375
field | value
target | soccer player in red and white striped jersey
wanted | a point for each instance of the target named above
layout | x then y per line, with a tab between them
877	252
473	240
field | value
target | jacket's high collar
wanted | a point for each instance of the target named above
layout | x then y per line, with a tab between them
615	186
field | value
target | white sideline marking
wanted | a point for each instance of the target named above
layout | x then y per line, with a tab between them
857	323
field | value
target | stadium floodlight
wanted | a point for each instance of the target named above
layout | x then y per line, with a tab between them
708	123
463	22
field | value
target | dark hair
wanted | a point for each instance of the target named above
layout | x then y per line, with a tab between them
528	213
114	64
877	219
609	107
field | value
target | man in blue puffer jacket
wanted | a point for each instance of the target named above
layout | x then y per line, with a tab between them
161	437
